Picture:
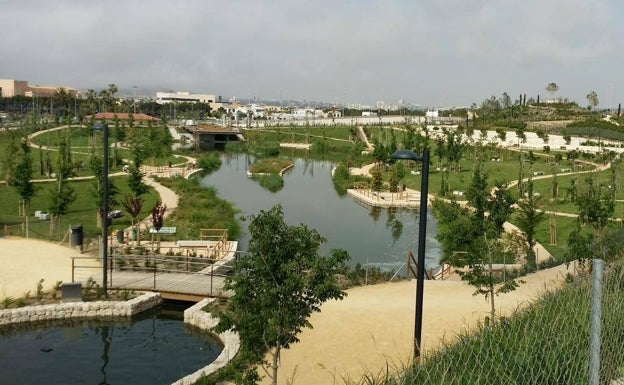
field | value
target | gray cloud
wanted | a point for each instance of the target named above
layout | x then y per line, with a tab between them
440	52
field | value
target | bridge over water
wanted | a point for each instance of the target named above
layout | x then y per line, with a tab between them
178	277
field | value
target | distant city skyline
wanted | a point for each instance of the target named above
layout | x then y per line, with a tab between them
434	53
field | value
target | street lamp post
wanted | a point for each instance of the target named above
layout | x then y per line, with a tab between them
104	128
422	233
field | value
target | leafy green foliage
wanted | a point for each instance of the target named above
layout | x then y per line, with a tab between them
278	284
595	202
528	218
271	182
470	238
63	195
200	208
209	162
135	181
23	173
270	165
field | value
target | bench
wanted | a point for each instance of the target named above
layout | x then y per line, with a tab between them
458	193
42	215
193	243
537	173
566	170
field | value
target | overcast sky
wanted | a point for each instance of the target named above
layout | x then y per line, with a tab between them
430	52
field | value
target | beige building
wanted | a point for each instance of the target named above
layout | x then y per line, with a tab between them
10	88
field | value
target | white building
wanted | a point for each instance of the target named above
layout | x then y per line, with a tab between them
170	97
432	113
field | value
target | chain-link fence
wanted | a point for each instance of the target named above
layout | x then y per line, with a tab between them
547	342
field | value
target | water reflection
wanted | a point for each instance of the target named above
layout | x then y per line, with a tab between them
375	235
116	351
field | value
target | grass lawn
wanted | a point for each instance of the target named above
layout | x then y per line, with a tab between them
300	134
82	211
505	168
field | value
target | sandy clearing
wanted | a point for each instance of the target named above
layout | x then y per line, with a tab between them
23	262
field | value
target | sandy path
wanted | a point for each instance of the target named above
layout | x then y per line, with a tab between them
23	262
374	326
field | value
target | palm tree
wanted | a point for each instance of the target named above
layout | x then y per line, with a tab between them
592	99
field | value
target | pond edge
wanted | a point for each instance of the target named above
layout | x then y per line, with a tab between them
194	316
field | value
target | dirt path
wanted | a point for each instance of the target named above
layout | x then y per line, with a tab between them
373	326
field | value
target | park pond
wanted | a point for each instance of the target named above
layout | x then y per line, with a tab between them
374	236
154	347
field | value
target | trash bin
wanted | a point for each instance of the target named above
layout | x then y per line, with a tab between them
120	236
76	235
134	234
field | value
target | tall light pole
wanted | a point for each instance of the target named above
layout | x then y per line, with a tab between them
422	234
104	128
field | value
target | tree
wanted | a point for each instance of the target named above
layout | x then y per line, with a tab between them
63	195
377	179
505	101
529	217
133	206
592	99
595	203
552	88
158	217
470	238
135	181
10	157
22	180
278	284
97	167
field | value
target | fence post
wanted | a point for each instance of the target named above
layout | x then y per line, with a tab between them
154	269
596	309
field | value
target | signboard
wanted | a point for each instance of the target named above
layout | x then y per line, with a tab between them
163	230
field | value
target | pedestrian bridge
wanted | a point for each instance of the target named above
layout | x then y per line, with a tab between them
178	277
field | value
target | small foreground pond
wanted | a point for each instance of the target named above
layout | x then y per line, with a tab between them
372	236
155	347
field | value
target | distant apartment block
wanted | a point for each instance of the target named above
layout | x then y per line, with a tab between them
10	88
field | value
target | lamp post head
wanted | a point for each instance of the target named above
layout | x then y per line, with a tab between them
406	154
100	126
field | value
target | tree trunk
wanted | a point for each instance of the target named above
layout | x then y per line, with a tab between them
275	364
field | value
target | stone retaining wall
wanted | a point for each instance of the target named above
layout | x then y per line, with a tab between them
98	309
109	309
231	342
